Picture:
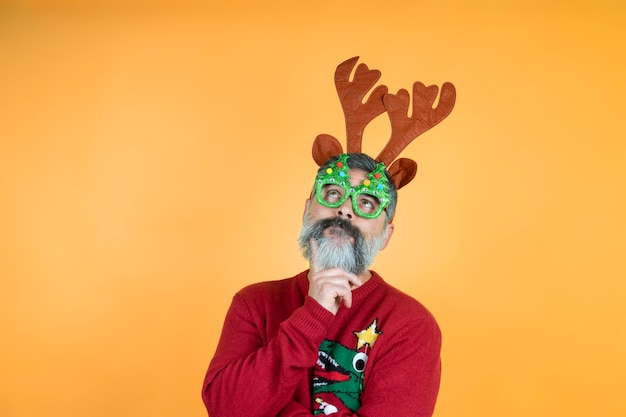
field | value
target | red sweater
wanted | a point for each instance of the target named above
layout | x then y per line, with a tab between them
283	354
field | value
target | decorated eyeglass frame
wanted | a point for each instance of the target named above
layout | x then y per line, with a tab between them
374	189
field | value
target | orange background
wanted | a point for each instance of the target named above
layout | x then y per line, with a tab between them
154	159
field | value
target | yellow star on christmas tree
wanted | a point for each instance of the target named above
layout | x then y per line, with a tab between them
368	336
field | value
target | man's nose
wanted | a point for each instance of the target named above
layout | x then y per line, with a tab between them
345	210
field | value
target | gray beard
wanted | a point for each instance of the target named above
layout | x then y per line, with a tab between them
345	248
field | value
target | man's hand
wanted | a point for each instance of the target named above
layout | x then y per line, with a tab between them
329	286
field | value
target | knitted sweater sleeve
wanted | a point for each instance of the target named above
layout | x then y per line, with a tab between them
250	377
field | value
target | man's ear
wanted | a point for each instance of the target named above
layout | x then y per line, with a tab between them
388	232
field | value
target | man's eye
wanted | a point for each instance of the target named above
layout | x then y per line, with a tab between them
333	194
368	205
365	203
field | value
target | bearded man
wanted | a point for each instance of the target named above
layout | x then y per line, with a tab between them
335	339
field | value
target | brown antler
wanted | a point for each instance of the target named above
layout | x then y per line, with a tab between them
357	114
351	94
404	128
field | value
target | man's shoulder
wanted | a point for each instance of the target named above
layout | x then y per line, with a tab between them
278	287
277	295
405	304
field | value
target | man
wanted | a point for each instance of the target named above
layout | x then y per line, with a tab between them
335	339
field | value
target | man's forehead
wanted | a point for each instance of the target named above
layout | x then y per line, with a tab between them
357	175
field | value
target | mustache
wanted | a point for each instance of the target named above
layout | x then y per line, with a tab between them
339	223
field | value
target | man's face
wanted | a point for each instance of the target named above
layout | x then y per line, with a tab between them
344	239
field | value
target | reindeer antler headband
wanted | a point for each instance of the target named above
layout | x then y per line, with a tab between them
404	128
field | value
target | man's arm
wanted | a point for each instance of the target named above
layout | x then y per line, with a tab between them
295	409
246	378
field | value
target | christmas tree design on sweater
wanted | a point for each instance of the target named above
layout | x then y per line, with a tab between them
338	374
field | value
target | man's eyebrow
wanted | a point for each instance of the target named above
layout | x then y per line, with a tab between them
372	197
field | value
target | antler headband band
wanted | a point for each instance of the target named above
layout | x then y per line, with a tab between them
404	128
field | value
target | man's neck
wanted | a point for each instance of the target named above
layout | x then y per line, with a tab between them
365	276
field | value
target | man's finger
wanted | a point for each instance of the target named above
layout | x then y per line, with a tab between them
354	280
347	300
